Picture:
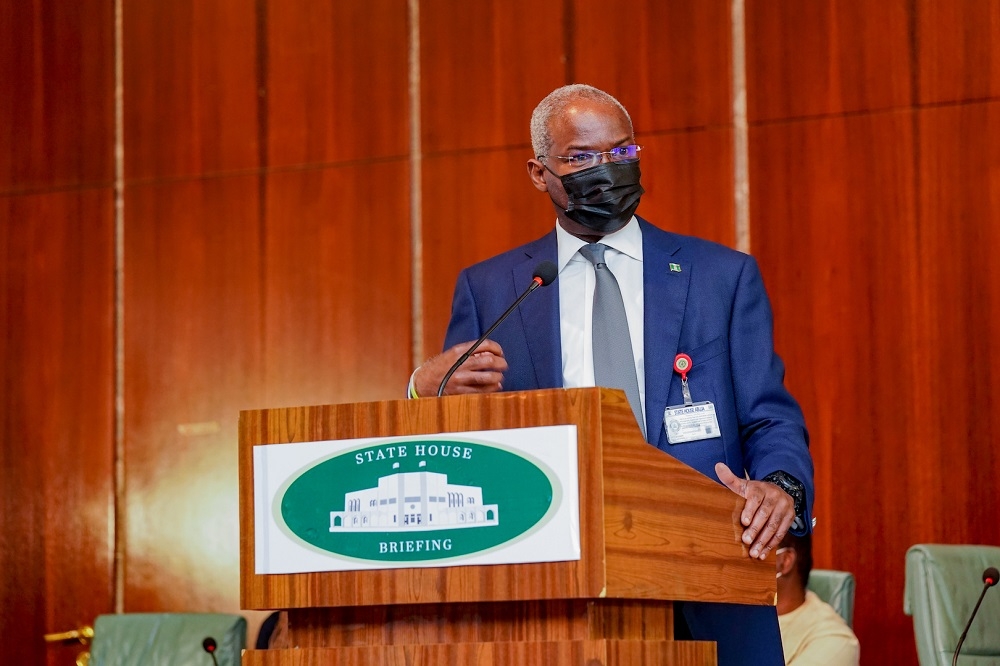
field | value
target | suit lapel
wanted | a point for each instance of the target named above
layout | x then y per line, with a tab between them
539	313
665	291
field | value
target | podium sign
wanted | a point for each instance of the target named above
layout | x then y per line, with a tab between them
445	499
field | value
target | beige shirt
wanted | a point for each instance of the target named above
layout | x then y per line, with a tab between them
814	633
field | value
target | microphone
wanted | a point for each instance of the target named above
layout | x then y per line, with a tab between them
543	276
209	645
990	578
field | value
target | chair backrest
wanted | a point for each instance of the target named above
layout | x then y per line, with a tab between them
943	584
166	639
835	588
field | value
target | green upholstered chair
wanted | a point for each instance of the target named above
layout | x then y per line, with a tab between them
943	584
835	588
166	639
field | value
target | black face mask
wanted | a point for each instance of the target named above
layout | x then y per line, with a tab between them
604	197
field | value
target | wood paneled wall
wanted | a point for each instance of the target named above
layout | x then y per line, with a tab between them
875	195
275	251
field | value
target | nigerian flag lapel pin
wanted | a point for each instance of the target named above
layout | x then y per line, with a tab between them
675	268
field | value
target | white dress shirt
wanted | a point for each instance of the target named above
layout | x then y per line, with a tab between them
576	301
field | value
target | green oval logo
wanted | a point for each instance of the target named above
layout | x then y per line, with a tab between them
417	500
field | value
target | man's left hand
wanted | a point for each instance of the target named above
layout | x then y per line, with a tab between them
767	514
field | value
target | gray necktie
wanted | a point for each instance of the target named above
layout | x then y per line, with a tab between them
614	364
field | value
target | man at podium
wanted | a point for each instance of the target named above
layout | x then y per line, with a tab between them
682	325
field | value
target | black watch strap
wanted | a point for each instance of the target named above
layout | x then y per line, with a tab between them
793	487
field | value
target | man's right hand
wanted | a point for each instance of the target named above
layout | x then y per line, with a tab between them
481	373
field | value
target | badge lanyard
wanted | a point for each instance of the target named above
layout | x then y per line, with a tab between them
682	366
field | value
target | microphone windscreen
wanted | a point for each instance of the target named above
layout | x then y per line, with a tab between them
546	272
991	576
209	645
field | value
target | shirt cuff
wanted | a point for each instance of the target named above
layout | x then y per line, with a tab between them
411	390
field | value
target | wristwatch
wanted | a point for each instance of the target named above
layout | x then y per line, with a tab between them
793	487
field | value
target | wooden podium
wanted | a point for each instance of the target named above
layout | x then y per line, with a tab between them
652	531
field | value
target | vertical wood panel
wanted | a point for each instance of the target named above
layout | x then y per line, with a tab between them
688	177
56	322
198	348
56	407
817	58
957	53
190	87
337	85
338	309
484	67
476	204
959	202
193	327
56	101
669	62
837	242
483	70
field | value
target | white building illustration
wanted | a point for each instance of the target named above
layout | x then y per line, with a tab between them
414	501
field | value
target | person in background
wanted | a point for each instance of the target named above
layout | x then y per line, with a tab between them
812	632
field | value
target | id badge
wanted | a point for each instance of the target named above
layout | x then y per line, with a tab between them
690	423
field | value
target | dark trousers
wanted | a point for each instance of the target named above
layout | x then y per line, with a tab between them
744	634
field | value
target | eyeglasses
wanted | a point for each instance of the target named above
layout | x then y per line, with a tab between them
588	159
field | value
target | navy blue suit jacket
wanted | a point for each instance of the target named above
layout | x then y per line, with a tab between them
715	309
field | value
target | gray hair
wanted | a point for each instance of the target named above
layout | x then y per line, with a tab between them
555	102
